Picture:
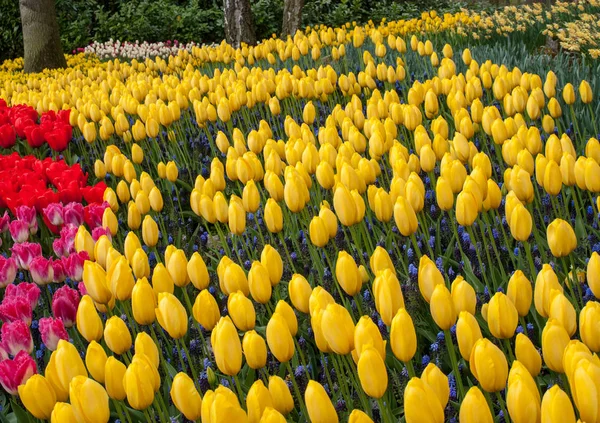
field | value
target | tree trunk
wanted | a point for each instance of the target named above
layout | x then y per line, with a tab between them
239	25
292	16
41	37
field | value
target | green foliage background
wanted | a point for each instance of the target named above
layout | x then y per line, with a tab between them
84	21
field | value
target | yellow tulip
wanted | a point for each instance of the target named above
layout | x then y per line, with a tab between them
95	361
421	404
241	310
463	295
185	396
89	400
280	394
38	397
89	324
502	316
489	366
279	338
474	408
372	372
300	292
338	329
557	407
117	335
442	308
271	260
227	347
115	372
520	292
561	238
527	354
554	341
388	295
429	277
468	333
171	315
319	406
346	272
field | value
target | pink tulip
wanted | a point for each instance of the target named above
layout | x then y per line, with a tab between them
16	337
60	274
19	230
4	220
58	245
81	288
67	235
15	308
99	231
54	213
74	265
94	213
29	215
52	330
25	252
3	354
16	372
8	271
29	291
64	305
73	214
41	270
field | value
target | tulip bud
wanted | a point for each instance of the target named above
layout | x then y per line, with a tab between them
227	347
569	94
145	345
300	292
68	364
117	335
388	295
557	407
442	307
280	394
120	279
474	408
89	323
38	397
372	372
421	404
437	381
319	404
520	293
428	277
241	310
405	217
84	242
95	361
593	274
561	238
185	396
463	295
171	315
554	341
198	272
527	354
171	171
149	231
489	366
279	338
257	400
467	333
177	266
143	302
255	350
140	383
403	337
347	275
502	316
367	334
561	309
273	216
271	260
545	282
358	416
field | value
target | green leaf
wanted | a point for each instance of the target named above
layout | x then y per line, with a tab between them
21	415
172	371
